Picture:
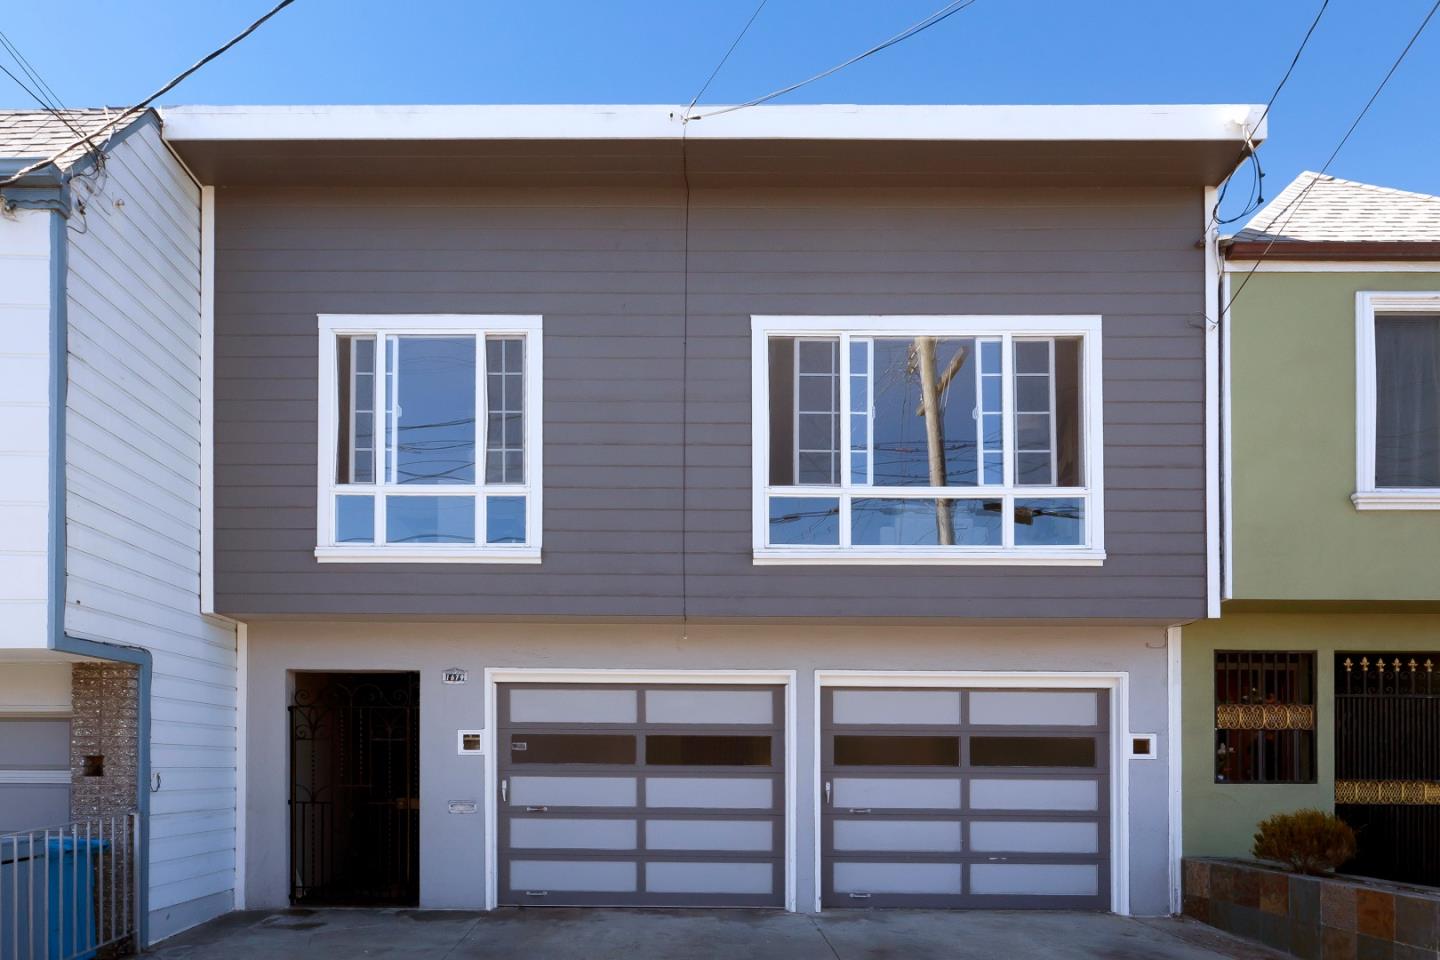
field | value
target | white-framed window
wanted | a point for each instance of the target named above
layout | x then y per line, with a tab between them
952	439
429	439
1397	401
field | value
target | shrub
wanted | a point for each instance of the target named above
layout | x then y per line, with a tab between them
1307	841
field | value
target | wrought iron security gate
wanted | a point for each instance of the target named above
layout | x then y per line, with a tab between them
1387	762
354	789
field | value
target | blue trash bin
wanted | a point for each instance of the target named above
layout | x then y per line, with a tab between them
65	905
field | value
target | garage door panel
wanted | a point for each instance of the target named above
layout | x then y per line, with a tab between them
1001	802
681	805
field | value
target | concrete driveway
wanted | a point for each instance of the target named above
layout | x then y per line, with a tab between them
561	934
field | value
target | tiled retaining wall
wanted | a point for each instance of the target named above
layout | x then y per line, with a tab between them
106	704
1317	918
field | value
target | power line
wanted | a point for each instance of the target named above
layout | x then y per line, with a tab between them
716	72
939	16
31	72
49	102
1258	194
1294	205
130	112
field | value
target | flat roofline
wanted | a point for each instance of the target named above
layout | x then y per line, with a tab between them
942	123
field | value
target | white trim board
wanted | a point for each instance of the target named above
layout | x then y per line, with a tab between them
1118	683
1174	759
1333	266
944	122
207	400
1212	406
494	676
1367	495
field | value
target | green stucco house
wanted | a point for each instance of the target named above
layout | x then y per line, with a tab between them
1319	686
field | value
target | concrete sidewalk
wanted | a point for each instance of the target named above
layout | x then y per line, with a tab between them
568	934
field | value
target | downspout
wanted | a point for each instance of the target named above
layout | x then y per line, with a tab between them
56	545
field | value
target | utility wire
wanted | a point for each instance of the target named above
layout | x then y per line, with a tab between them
1277	232
716	72
944	13
130	112
45	96
31	72
1258	194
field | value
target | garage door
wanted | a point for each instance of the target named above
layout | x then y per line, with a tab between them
965	798
641	795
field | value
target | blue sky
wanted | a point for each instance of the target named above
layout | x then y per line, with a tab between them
637	51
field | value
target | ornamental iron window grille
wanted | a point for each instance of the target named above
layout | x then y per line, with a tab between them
1264	716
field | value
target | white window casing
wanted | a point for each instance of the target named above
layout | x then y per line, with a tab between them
1367	496
382	483
1007	330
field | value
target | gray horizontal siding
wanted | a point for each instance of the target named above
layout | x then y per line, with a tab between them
605	269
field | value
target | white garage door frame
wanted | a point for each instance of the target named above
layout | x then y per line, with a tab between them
494	676
1118	683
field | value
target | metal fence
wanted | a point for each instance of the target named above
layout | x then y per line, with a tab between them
71	892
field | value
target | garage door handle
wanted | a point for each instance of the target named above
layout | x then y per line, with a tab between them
537	809
537	893
859	809
859	896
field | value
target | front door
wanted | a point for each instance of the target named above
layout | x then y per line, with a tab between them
658	795
965	798
354	789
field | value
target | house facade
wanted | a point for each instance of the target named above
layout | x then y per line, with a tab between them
1323	663
795	508
117	694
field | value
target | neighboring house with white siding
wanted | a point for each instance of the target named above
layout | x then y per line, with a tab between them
116	693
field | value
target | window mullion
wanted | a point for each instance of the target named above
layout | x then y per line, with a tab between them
1007	439
842	367
382	433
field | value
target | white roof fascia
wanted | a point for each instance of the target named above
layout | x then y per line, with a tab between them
1126	122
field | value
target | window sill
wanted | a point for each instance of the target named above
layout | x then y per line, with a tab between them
439	554
1396	499
772	556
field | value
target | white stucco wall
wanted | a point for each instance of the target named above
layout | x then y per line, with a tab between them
452	846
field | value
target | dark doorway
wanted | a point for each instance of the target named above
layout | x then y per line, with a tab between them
1387	762
354	789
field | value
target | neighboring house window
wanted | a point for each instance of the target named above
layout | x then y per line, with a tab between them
927	440
1398	401
429	438
1264	716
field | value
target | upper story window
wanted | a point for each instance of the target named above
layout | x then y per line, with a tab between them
927	439
429	439
1398	401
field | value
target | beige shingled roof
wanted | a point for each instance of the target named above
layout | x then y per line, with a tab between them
36	134
1344	211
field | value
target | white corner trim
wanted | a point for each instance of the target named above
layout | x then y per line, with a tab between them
493	676
207	400
242	742
1227	452
1117	682
1227	123
1212	405
1174	760
1367	304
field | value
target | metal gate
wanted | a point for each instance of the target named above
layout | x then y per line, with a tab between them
354	789
1387	762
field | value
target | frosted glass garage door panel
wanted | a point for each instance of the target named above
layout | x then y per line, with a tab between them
1035	879
736	835
589	876
1081	795
573	706
926	708
550	834
710	706
878	792
1033	836
704	793
941	878
663	876
572	791
1039	708
898	835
